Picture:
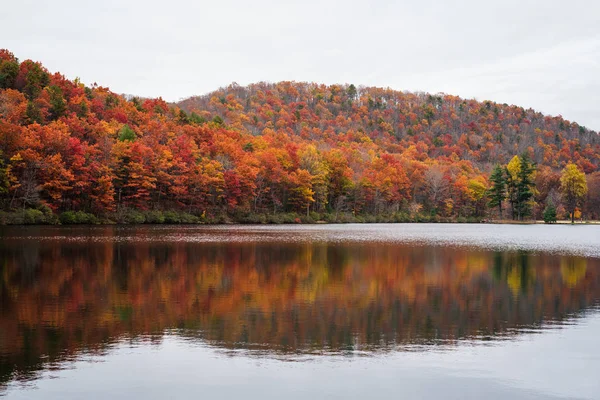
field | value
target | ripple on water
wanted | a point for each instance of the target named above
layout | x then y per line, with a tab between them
582	240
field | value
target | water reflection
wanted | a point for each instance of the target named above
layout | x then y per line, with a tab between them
63	298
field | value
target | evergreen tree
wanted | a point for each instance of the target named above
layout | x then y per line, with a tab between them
183	117
197	119
524	186
497	192
33	113
550	213
58	105
352	91
9	70
126	134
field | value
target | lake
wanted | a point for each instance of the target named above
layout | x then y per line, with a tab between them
293	312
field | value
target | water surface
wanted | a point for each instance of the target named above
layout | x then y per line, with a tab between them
335	311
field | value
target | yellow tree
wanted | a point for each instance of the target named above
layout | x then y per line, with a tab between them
512	177
573	187
301	189
477	189
312	161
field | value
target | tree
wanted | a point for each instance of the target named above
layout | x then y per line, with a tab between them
477	190
352	91
9	68
512	179
436	185
573	187
301	190
33	113
58	105
497	191
31	79
4	183
519	183
592	200
525	187
126	134
550	213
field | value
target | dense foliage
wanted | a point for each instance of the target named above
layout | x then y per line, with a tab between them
276	153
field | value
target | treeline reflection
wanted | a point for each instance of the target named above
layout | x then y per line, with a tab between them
61	297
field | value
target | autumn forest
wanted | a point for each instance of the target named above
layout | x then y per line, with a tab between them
282	152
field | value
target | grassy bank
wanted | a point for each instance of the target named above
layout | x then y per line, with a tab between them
45	216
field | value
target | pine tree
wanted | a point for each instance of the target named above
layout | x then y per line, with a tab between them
497	192
524	187
58	105
126	134
550	213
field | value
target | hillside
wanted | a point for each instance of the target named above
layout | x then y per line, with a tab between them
268	153
440	126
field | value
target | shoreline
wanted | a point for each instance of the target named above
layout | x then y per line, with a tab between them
237	223
45	216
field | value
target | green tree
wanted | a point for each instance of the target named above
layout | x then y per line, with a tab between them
573	187
126	134
58	105
183	117
550	213
197	119
8	73
497	191
525	187
519	184
36	79
137	103
33	113
351	91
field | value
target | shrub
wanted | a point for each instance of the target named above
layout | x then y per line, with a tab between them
282	218
171	217
67	218
369	218
251	218
346	218
79	217
550	214
331	218
187	218
7	218
133	217
31	216
154	217
315	216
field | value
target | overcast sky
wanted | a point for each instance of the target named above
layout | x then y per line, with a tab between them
539	54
